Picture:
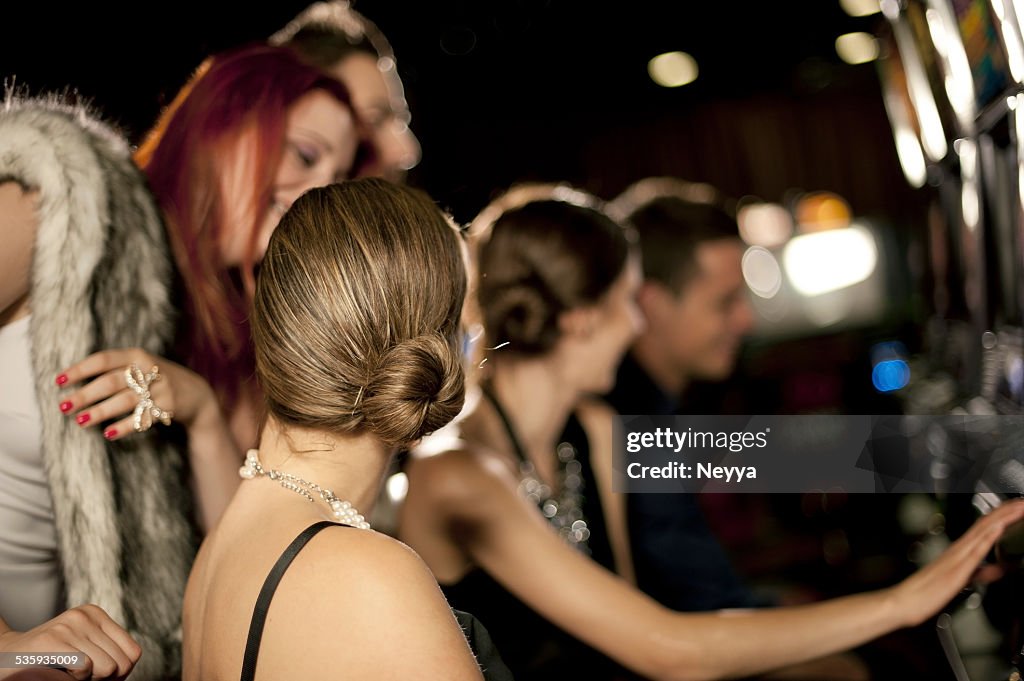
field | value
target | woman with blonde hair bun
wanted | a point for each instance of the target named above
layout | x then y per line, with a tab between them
355	324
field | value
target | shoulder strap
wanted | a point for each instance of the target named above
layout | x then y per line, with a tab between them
492	398
259	614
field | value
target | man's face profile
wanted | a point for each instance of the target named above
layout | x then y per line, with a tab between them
710	315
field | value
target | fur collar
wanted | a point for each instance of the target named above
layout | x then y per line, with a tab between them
100	280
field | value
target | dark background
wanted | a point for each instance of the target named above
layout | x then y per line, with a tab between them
538	89
519	90
558	90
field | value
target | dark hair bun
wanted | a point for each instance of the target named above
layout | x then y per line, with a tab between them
523	316
417	387
538	260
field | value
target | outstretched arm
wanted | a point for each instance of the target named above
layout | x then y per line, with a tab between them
513	543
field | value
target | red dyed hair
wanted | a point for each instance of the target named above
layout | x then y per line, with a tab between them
186	155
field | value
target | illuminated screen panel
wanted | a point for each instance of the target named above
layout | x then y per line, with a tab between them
916	18
902	117
985	52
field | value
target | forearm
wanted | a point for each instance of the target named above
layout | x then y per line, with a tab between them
606	613
214	457
672	646
740	643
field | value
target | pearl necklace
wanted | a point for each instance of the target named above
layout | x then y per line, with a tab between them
344	511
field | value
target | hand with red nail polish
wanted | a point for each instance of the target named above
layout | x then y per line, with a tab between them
100	397
105	399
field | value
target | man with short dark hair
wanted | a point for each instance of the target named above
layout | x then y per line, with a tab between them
694	299
697	311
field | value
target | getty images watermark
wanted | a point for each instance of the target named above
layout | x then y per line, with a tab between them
821	452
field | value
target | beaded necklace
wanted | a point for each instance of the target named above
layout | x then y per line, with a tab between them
565	510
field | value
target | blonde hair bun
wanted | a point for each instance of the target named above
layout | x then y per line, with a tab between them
417	387
356	313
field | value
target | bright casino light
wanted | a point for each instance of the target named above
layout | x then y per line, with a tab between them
762	272
1018	109
908	151
857	48
764	224
908	145
1004	12
397	487
970	197
959	82
933	137
890	370
860	8
821	262
822	211
673	69
890	375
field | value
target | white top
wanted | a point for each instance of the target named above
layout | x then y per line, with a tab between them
30	581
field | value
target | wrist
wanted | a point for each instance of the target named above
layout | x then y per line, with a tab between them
6	636
208	416
892	609
209	435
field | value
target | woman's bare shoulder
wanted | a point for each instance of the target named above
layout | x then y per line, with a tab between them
463	473
350	595
359	554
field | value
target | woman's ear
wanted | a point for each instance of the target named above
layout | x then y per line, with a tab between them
579	322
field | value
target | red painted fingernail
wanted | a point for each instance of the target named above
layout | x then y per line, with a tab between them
110	433
62	379
82	419
65	406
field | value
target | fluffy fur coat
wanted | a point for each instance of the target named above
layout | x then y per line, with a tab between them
101	280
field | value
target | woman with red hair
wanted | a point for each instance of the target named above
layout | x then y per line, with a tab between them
252	130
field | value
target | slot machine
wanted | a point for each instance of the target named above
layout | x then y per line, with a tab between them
995	52
926	129
963	68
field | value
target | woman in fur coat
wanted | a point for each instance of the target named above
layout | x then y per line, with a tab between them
95	536
100	507
252	130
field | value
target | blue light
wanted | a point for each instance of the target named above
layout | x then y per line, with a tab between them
890	375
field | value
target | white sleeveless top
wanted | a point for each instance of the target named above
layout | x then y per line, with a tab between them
30	579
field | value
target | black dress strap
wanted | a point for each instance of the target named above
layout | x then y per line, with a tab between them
500	411
259	613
